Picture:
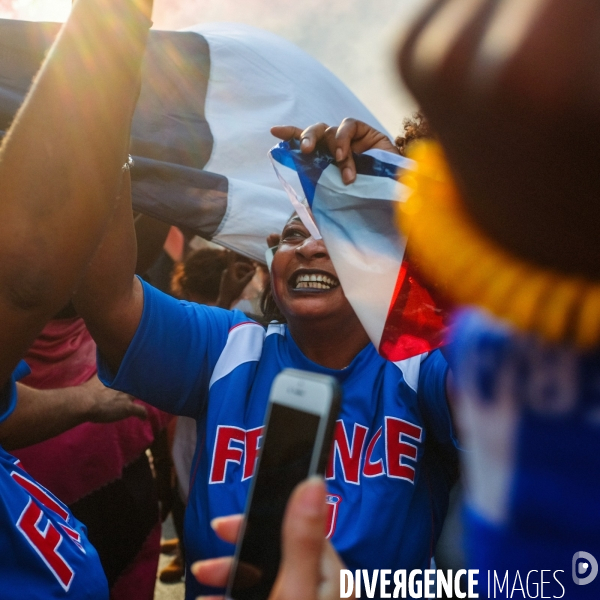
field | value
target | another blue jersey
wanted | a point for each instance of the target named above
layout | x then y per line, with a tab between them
530	416
394	457
45	551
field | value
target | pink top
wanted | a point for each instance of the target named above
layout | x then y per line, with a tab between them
87	457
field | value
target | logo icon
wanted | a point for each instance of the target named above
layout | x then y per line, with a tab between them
333	504
585	568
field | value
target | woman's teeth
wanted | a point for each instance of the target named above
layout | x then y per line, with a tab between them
318	282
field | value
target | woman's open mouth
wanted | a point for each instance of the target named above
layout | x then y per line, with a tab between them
313	281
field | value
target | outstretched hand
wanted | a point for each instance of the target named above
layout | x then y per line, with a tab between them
107	405
351	136
310	566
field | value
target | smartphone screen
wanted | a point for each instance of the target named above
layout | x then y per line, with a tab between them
285	461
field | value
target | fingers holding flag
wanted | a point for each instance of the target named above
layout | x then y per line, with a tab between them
351	136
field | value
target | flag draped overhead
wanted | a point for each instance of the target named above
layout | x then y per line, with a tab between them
200	135
357	225
200	140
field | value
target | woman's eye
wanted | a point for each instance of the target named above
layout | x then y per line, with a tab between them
293	234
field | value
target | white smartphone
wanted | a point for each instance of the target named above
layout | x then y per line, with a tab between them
298	434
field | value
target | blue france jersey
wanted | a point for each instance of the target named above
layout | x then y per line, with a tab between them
45	551
393	459
530	419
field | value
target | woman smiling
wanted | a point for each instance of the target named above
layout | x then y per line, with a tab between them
393	460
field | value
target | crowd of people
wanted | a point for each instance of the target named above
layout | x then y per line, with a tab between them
500	218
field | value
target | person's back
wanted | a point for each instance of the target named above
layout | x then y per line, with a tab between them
45	551
100	470
506	218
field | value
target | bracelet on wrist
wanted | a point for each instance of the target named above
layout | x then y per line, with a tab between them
128	164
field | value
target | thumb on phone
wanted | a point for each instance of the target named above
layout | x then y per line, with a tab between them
300	574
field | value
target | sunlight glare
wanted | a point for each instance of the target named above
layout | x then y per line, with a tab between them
35	10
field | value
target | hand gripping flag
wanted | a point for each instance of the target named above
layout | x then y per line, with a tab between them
357	225
200	135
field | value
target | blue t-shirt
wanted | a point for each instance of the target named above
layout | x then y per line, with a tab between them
45	551
530	419
394	457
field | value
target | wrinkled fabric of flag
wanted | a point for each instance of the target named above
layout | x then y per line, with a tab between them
357	225
200	134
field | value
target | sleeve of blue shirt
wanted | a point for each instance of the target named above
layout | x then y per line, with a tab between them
433	401
432	396
173	353
8	394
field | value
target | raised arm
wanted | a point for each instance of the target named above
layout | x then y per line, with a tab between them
60	164
110	298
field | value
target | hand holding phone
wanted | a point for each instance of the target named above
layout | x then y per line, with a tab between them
299	428
310	567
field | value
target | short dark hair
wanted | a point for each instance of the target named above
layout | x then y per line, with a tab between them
200	274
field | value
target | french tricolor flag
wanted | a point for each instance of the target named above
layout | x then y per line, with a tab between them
200	138
357	225
201	129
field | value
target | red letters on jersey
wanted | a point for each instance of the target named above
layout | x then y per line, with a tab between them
46	539
253	437
41	495
350	454
233	444
229	447
397	432
45	542
373	469
333	504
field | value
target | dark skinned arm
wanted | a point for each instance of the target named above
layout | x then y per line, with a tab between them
151	235
110	298
43	414
60	164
